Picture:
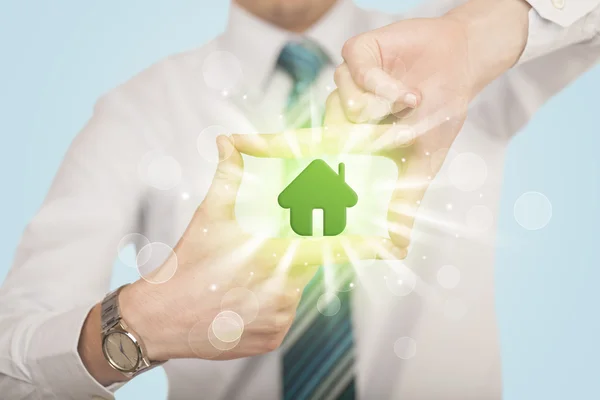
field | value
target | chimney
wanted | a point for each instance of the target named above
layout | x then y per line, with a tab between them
342	171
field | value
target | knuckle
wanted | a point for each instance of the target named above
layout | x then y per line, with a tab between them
282	322
273	343
285	301
350	47
338	74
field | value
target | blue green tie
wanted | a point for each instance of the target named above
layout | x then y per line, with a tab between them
318	361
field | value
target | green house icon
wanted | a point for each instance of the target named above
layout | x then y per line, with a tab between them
318	187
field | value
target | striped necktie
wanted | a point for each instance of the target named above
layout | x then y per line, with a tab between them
318	360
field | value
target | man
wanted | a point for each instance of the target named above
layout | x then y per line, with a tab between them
135	169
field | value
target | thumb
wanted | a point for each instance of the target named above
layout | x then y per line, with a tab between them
221	197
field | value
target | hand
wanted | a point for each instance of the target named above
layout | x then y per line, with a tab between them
420	75
421	64
437	60
233	294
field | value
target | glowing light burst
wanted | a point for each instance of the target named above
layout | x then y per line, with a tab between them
248	176
436	221
397	228
439	117
356	138
405	135
329	278
355	261
394	136
404	184
249	248
286	261
403	272
292	143
242	253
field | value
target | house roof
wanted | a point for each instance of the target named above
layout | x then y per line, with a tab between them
318	186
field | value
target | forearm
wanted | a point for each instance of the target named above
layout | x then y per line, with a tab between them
496	33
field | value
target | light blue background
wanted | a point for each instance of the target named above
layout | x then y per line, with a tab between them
58	57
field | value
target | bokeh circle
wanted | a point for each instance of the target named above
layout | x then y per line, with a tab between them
199	342
160	171
405	347
533	210
206	143
401	282
156	262
136	239
448	276
228	326
329	304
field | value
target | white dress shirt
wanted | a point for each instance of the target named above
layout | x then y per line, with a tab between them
144	162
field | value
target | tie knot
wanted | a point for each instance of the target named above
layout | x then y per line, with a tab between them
303	61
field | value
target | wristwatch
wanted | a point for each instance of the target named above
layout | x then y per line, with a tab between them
122	348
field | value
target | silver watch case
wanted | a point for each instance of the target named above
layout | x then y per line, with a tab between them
112	322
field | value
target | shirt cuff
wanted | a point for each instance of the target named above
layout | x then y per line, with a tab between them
563	12
55	362
552	28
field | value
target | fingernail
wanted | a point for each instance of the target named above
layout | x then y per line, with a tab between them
410	99
399	253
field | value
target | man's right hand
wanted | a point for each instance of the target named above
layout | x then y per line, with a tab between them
220	269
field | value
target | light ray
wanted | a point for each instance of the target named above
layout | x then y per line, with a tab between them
247	249
327	273
411	211
357	136
292	142
398	229
280	274
355	262
421	287
434	120
401	269
444	226
250	178
440	226
404	184
286	261
392	138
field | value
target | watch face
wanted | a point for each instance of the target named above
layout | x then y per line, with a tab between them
121	351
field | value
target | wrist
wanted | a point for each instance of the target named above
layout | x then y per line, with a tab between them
496	34
141	311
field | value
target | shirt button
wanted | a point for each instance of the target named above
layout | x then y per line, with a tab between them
558	4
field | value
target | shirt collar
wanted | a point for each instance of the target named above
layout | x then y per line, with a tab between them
339	24
257	43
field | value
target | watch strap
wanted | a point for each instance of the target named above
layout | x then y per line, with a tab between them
110	313
111	320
